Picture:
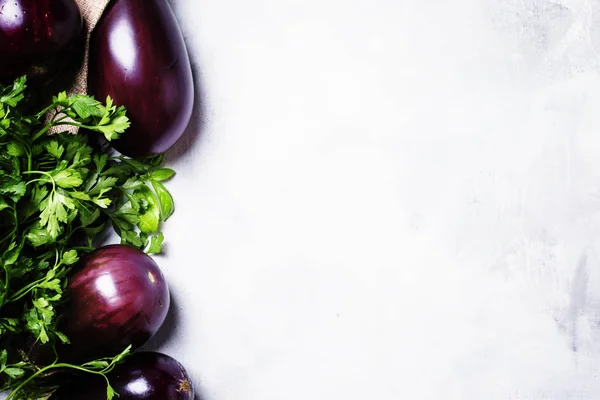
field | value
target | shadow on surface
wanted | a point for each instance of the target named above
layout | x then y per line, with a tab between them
182	148
168	330
199	397
195	129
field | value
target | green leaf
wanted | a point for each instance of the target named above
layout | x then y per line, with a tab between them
39	194
103	186
11	254
128	214
8	325
13	372
156	244
165	200
86	106
14	95
134	201
39	237
41	303
70	257
77	148
68	179
3	357
62	337
150	219
92	232
54	211
138	166
3	204
162	174
132	238
15	149
88	218
121	356
110	392
61	98
54	149
12	186
80	195
117	125
54	285
36	324
155	161
102	203
100	162
108	110
96	364
43	335
132	183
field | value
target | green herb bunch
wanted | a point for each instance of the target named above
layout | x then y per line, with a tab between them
57	193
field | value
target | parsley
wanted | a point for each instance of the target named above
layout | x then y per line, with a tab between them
25	391
57	193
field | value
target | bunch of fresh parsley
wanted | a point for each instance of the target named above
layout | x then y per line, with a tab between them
57	193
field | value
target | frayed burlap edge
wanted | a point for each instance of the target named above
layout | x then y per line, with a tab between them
91	11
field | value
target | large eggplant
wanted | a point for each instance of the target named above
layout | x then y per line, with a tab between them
143	376
117	297
37	37
139	58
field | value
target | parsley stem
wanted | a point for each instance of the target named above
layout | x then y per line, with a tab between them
83	248
108	367
14	230
59	121
9	235
6	279
55	366
57	261
41	132
43	173
47	127
25	290
50	125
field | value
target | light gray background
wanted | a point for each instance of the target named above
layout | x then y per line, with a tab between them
389	199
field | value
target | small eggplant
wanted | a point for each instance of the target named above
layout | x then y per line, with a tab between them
139	58
142	376
37	37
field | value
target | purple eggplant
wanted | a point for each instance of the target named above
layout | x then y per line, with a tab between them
37	37
117	297
143	376
139	58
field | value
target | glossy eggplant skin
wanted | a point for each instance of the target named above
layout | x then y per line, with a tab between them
139	58
36	37
117	297
143	376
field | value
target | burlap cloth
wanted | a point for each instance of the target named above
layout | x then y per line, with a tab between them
91	11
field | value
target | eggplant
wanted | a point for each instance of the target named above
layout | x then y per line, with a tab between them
117	297
37	37
142	376
139	58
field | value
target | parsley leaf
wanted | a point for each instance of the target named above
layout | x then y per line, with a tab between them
58	192
156	244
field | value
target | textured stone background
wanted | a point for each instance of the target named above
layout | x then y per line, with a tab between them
390	200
